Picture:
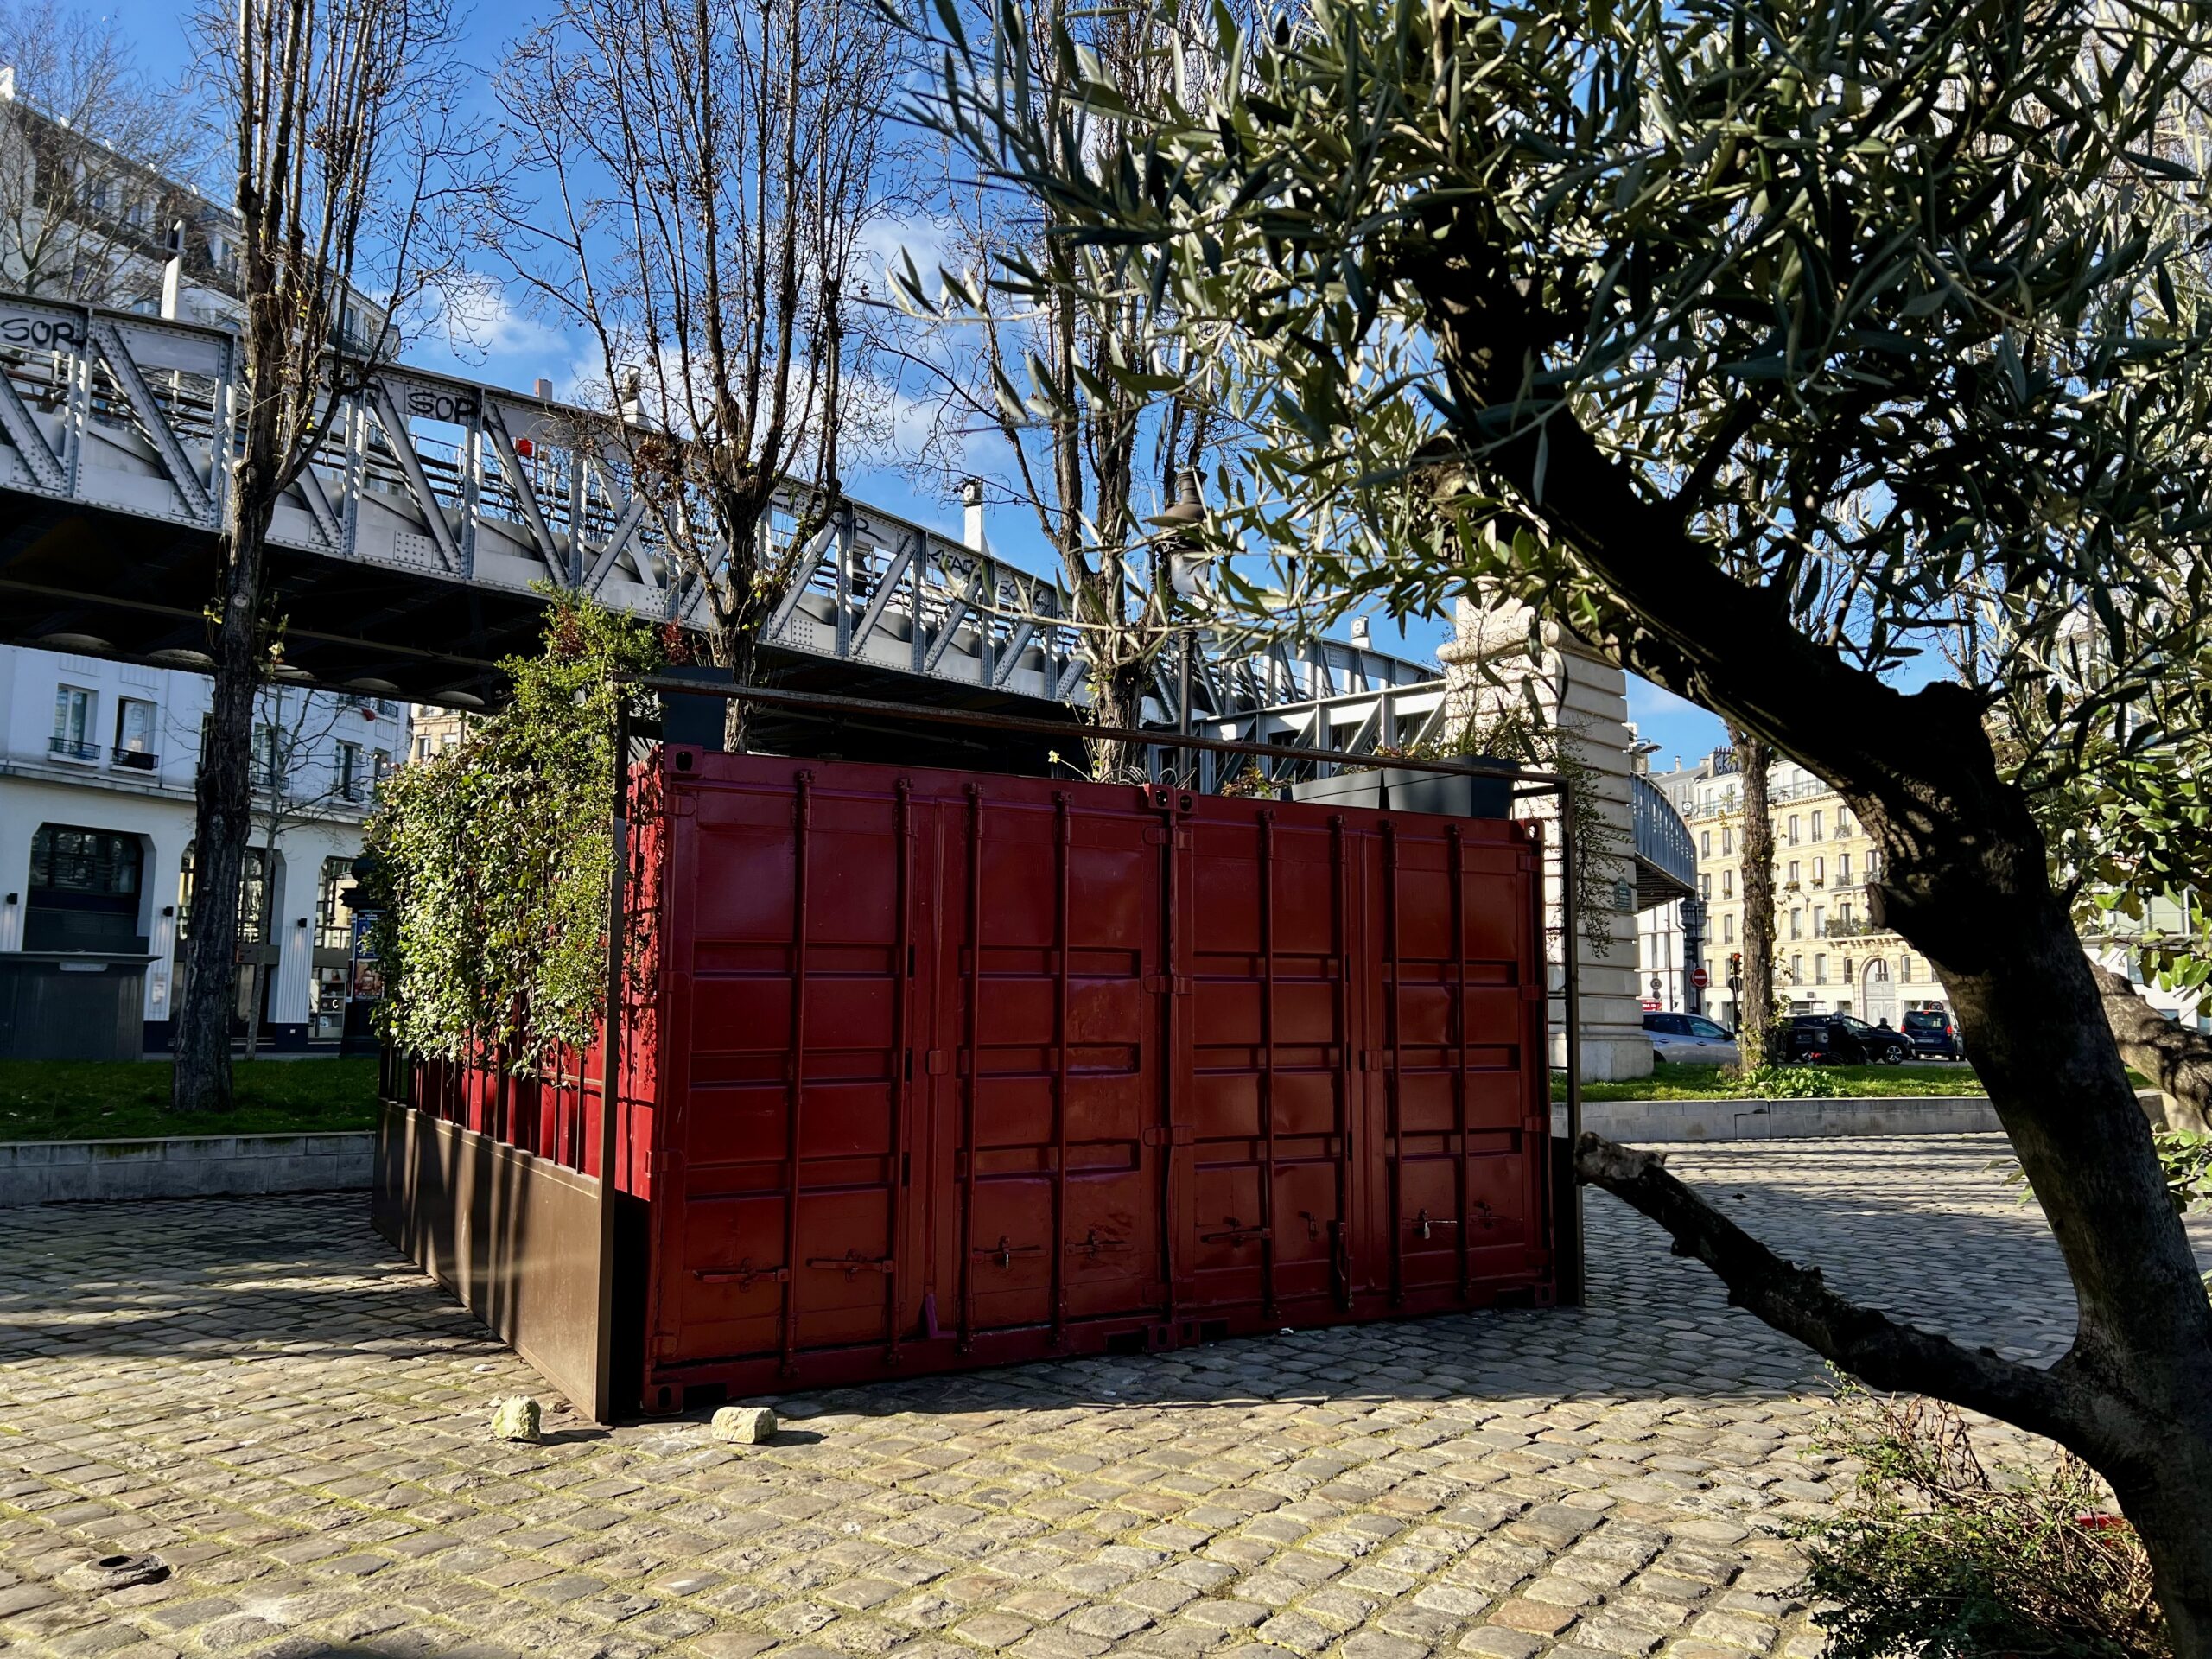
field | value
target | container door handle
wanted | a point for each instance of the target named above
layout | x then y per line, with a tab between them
744	1275
1236	1235
852	1261
1003	1253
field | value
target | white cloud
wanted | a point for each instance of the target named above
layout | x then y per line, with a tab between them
477	317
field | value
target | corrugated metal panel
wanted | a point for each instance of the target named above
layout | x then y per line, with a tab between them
925	1070
958	1069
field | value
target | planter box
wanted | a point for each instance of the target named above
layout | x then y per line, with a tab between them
182	1167
1401	789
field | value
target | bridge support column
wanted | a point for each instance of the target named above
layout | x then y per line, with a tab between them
1489	666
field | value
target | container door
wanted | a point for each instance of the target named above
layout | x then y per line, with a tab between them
780	1213
1056	1056
1459	1143
1273	1085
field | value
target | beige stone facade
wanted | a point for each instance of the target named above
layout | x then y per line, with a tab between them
1586	699
1829	957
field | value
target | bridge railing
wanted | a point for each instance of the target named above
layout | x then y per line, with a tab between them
462	482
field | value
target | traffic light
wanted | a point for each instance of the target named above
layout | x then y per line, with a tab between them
1735	964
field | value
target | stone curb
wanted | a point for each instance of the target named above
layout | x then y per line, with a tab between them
182	1167
1786	1120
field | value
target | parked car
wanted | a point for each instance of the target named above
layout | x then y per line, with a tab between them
1690	1039
1931	1034
1839	1039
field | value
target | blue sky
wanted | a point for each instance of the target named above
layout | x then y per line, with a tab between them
515	350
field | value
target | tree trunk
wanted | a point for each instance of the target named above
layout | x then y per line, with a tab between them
1755	1011
2177	1060
1966	880
224	825
1116	699
737	648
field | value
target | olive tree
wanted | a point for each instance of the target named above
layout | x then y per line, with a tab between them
1754	339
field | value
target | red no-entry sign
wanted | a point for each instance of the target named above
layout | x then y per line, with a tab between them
1700	978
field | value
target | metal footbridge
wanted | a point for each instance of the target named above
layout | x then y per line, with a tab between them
407	554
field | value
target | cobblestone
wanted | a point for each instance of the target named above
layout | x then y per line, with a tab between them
260	1391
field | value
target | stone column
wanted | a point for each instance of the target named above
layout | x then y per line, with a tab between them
1585	698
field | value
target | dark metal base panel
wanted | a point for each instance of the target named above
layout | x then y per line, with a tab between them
515	1237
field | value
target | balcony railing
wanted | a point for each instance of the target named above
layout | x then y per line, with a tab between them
135	760
69	748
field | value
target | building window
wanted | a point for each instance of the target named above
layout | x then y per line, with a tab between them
97	861
1795	878
134	734
422	746
1843	868
1728	928
1793	829
379	764
253	898
1904	970
267	772
1797	924
334	922
1843	916
1796	970
1820	921
75	736
1842	822
349	772
1705	885
1727	884
1820	872
1849	978
1727	840
1704	844
1821	969
1817	835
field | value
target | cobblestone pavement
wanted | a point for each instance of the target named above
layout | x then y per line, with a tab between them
294	1418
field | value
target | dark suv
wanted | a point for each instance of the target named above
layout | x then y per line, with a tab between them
1839	1039
1931	1034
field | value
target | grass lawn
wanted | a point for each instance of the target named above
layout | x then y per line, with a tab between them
1672	1081
106	1100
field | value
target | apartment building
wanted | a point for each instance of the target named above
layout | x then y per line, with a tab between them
97	814
1829	956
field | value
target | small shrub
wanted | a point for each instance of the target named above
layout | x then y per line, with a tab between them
1783	1083
1939	1558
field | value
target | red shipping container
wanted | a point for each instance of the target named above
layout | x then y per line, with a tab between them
931	1070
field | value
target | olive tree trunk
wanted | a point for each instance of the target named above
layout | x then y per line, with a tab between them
1966	880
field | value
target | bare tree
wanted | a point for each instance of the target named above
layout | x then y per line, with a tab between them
90	150
347	150
692	186
1086	390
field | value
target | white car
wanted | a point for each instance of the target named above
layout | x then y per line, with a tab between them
1691	1039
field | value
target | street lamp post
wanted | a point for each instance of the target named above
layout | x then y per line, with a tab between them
1178	540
